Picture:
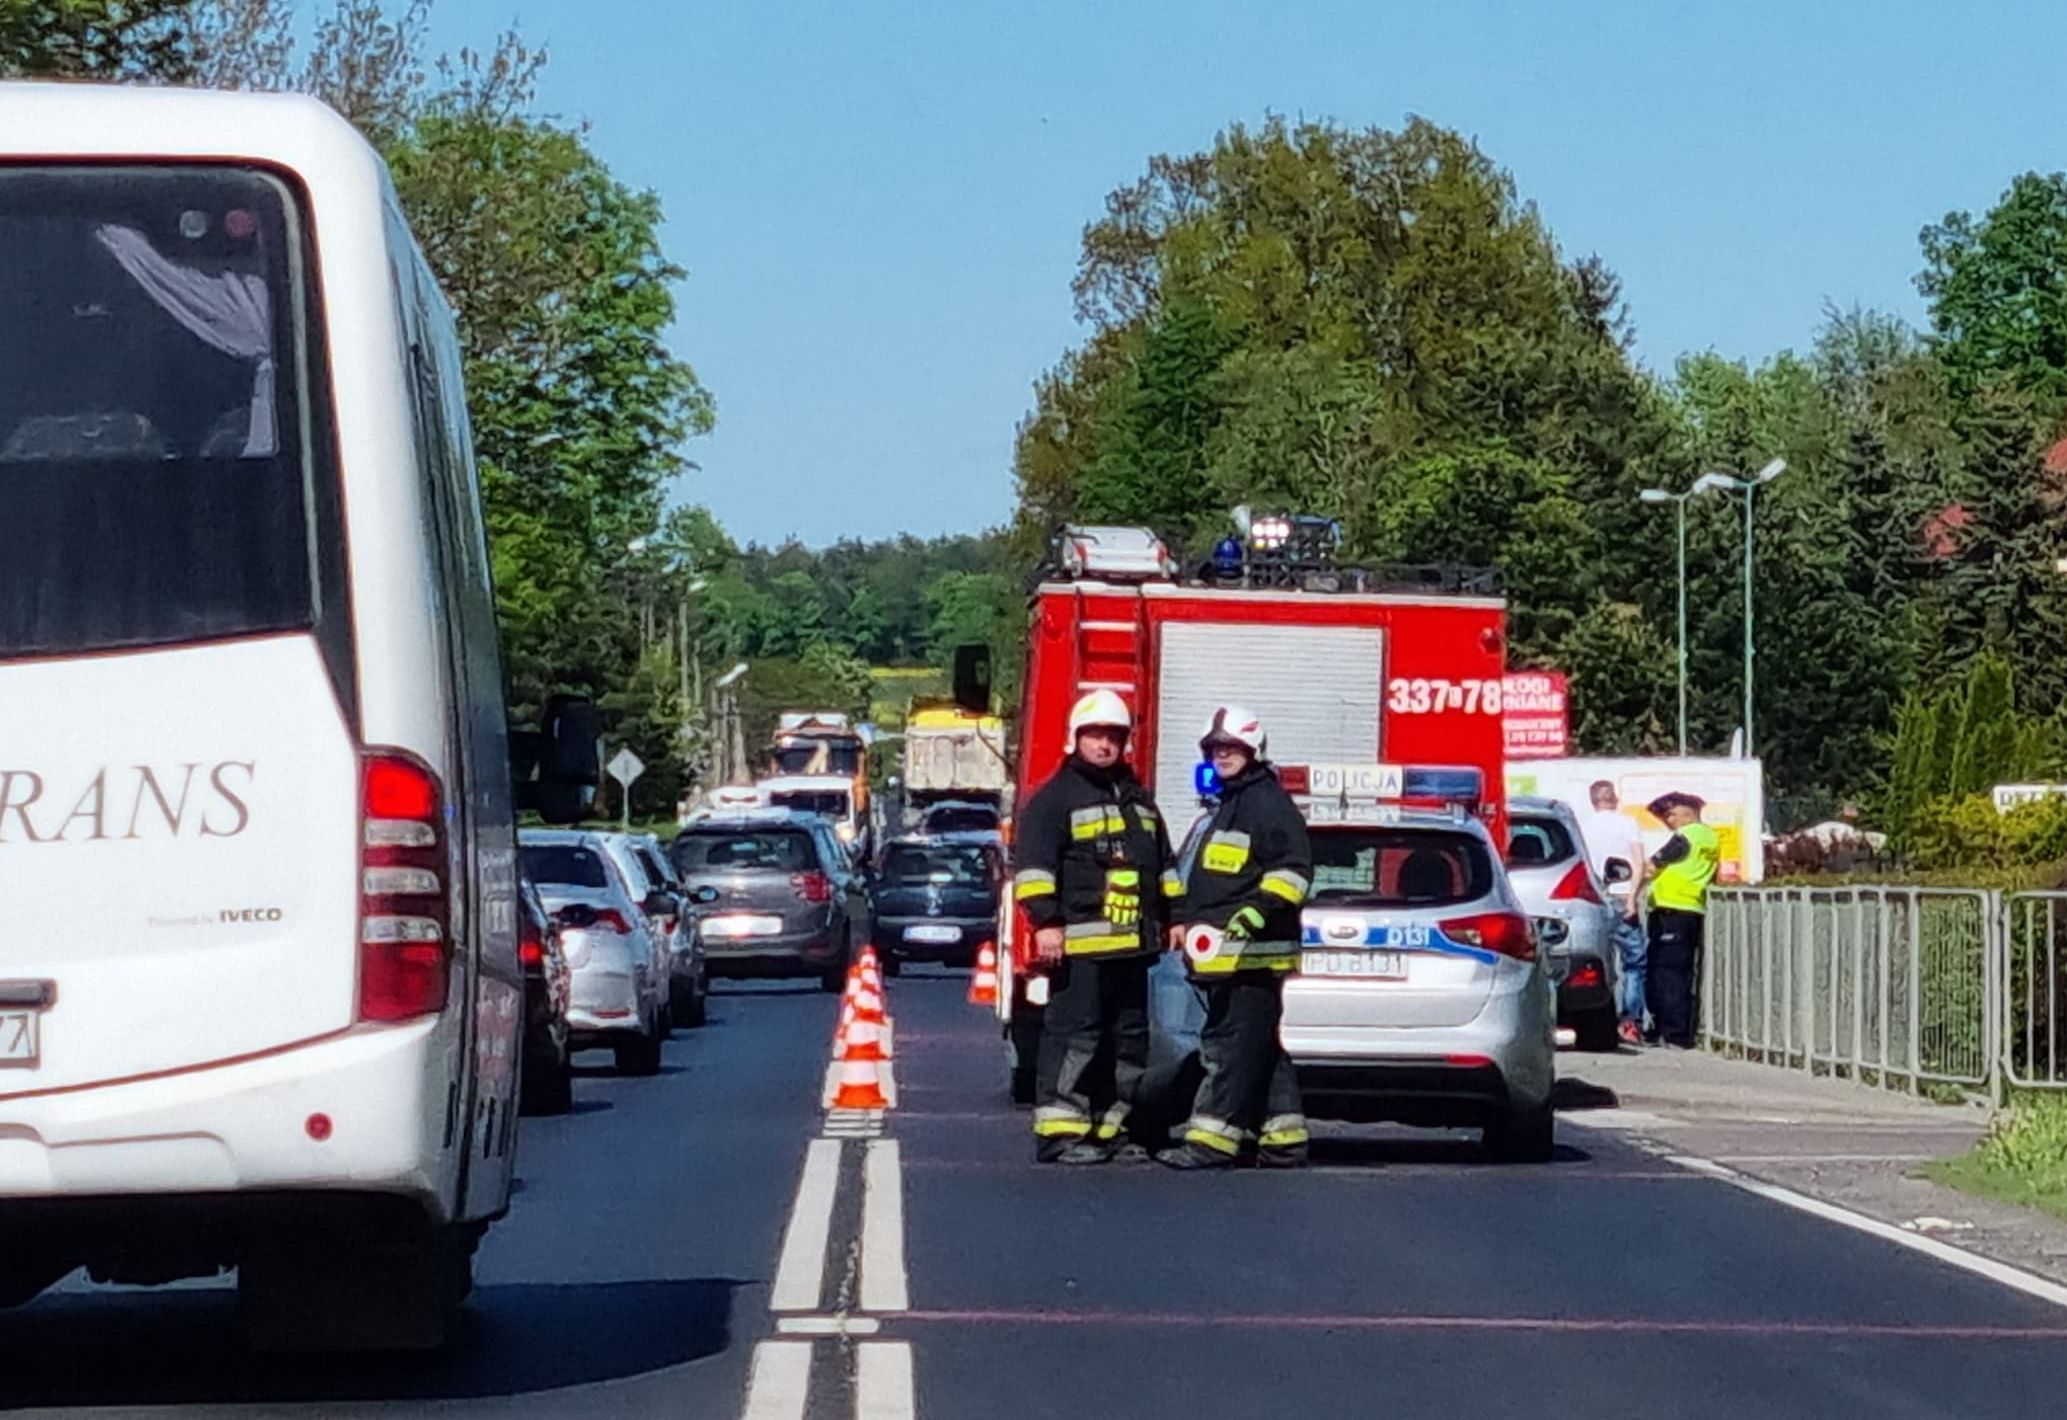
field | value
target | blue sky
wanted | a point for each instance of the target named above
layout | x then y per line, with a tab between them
879	204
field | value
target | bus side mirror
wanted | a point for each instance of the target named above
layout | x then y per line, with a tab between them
554	769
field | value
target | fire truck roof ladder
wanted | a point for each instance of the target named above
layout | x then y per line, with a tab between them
1110	631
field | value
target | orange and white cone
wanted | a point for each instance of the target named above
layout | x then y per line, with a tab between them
860	1086
866	1000
983	982
865	1039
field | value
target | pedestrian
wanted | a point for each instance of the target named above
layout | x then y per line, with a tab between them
1685	866
1094	873
1613	836
1241	902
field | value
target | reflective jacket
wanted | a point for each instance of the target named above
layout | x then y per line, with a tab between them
1091	855
1253	872
1686	866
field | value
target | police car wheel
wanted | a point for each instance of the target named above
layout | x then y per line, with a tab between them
1527	1136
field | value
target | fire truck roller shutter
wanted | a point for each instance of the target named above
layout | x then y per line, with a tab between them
1320	689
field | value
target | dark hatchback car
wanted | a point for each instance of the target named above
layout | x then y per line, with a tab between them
548	1082
936	898
784	898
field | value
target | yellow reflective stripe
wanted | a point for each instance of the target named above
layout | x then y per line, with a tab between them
1248	956
1173	886
1056	1122
1284	1138
1032	882
1284	883
1091	822
1215	1134
1123	877
1225	853
1091	946
1146	816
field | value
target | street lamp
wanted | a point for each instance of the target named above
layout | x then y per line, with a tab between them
1747	486
1679	502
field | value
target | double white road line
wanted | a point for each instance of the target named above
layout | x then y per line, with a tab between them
873	1285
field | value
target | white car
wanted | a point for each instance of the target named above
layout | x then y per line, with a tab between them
256	755
620	968
658	890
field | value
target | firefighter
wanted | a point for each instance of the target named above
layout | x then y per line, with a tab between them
1685	866
1242	898
1094	873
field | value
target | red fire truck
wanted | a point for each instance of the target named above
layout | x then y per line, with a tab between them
1346	666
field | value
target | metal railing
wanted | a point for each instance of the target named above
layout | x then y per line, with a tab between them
1891	985
1895	986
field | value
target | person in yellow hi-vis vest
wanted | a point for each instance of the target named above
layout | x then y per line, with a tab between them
1682	872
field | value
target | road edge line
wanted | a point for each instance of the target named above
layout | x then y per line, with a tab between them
779	1385
884	1387
885	1285
800	1268
2004	1274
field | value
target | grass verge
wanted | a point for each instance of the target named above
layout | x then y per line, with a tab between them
2023	1160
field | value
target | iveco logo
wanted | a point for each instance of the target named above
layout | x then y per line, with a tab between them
1342	929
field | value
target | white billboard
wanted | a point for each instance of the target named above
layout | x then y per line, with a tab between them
1733	788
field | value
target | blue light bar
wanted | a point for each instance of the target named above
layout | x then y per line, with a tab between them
1449	784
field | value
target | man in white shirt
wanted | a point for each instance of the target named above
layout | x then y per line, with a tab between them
1610	833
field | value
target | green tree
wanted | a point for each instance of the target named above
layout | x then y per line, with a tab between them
1997	288
93	39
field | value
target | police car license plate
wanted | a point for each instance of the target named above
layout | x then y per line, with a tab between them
1382	966
21	1040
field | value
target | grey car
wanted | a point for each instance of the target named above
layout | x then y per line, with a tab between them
1547	863
668	904
787	899
619	967
1420	996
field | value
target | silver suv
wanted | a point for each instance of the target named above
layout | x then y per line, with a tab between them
1420	995
1547	863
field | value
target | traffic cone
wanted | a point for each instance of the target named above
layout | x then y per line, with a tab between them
866	1001
864	1039
983	982
860	1086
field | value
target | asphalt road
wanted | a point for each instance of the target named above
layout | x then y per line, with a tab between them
1402	1277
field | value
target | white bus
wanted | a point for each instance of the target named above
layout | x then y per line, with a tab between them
260	1002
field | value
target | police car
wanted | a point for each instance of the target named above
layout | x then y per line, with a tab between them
1420	995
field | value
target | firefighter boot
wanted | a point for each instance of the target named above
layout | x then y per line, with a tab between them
1192	1157
1085	1153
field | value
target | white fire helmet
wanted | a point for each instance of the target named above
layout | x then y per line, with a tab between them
1102	708
1234	724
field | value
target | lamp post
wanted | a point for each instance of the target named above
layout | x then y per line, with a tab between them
1679	502
1746	486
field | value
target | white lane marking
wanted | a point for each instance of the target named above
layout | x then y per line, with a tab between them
800	1274
1824	1158
884	1287
828	1325
780	1386
2002	1273
883	1386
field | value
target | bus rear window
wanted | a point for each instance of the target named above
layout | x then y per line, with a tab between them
159	467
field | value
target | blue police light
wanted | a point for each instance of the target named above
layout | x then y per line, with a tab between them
1205	779
1227	556
1448	784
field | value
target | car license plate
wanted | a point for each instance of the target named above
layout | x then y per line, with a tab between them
1381	966
742	924
933	932
21	1038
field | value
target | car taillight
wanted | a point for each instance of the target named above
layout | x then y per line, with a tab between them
1576	885
531	947
609	919
404	954
1507	933
1588	975
812	887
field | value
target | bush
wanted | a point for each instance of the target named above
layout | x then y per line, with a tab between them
1967	832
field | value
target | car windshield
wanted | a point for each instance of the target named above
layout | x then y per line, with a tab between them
1533	840
565	864
1399	867
831	802
959	865
815	756
774	851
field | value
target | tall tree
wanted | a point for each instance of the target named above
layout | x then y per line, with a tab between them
93	39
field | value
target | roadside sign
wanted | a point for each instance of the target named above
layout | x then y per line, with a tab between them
1535	715
625	767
